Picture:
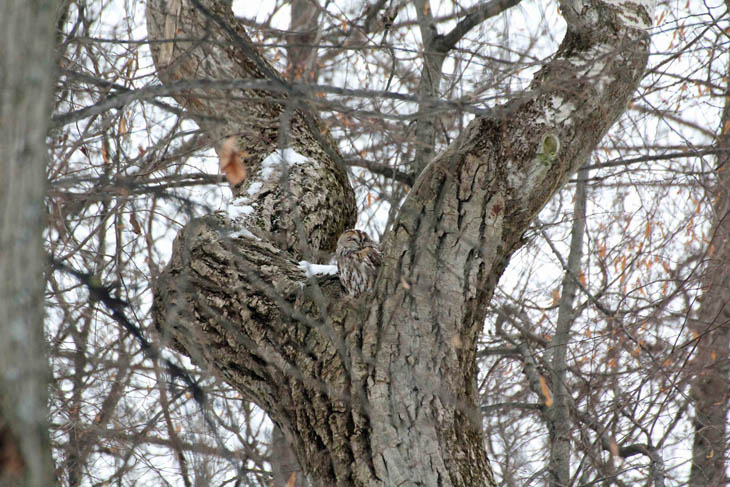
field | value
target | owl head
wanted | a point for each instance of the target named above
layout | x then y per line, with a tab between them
352	241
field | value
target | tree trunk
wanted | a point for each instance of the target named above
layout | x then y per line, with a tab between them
26	83
711	387
378	390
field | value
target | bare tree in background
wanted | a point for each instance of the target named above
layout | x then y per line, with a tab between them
710	386
461	123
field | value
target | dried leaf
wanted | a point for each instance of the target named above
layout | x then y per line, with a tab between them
136	228
231	159
104	153
556	296
546	392
123	125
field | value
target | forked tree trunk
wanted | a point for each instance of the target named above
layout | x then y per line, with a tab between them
377	391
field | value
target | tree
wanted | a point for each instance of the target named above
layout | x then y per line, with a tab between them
26	81
710	387
380	391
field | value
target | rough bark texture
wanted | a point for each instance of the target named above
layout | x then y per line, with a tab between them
26	84
711	386
379	391
305	209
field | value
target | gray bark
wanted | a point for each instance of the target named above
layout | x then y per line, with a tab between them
301	48
428	87
711	386
378	391
558	415
26	82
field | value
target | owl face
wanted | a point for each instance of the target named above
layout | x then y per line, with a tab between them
352	241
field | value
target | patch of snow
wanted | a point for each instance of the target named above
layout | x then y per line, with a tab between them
245	233
254	187
280	159
239	211
312	269
267	171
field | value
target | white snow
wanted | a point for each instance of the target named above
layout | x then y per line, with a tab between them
243	232
254	187
280	159
239	211
312	269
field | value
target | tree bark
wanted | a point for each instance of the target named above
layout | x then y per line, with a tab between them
379	391
558	415
301	42
26	83
711	386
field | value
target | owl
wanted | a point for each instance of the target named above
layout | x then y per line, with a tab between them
358	261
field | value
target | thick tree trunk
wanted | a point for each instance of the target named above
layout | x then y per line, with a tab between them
26	84
711	386
378	391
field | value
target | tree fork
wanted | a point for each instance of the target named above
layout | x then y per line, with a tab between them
377	391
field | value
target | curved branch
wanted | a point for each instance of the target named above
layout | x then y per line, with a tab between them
477	14
187	35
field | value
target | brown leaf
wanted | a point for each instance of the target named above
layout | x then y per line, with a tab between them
104	153
232	165
136	228
546	392
123	129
